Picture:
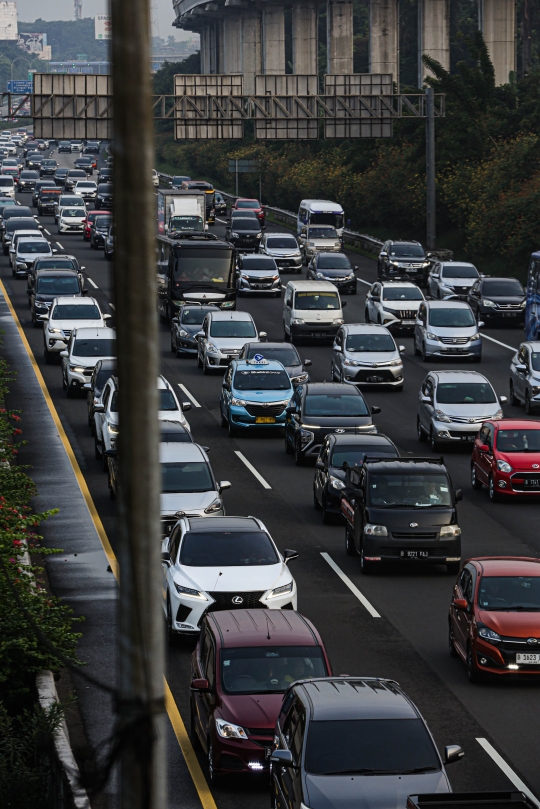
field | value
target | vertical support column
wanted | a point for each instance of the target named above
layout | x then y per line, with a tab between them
431	219
384	38
205	49
220	60
339	36
232	44
251	50
273	40
212	48
304	38
497	21
433	34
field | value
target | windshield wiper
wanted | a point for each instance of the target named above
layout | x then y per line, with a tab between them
517	608
360	771
419	769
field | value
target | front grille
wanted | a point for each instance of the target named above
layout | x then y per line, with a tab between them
454	340
517	645
462	290
526	482
406	314
224	601
461	434
255	280
316	324
260	732
374	375
508	306
415	535
261	410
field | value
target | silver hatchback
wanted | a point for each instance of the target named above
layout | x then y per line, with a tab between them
452	406
284	249
366	355
525	377
447	329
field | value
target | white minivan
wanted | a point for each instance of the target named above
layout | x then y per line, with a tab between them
320	212
311	310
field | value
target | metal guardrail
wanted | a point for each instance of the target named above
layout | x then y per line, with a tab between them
288	218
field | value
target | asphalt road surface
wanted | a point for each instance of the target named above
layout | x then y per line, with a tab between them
408	642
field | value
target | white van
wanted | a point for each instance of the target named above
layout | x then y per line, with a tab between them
7	187
320	212
312	310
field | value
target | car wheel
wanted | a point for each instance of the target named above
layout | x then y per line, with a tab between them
64	383
494	495
199	362
451	645
231	429
104	460
298	457
420	432
49	359
206	369
112	493
327	517
417	351
365	567
425	357
286	337
433	443
514	401
529	409
171	634
350	549
473	674
173	345
70	393
316	504
92	243
212	778
475	483
193	735
97	448
353	291
366	315
477	358
108	256
452	568
288	448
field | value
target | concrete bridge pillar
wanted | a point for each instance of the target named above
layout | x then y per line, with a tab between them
251	50
273	40
433	34
339	22
384	38
232	44
497	21
205	49
304	37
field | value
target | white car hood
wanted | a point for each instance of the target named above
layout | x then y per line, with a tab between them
232	343
454	331
370	792
458	282
469	411
32	256
72	324
323	242
73	219
188	502
400	305
371	358
88	362
283	252
172	415
252	577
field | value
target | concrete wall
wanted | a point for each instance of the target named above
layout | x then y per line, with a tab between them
273	39
251	50
497	21
304	37
339	21
205	49
433	34
232	44
384	38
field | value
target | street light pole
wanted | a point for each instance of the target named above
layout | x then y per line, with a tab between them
141	663
430	169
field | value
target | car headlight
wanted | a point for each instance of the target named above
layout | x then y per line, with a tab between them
474	337
395	363
336	483
431	336
21	265
503	466
311	244
187	591
375	530
40	305
212	347
485	302
351	362
394	263
337	321
337	244
297	321
229	731
350	277
216	505
56	331
113	428
183	333
450	531
441	416
488	634
498	415
279	591
258	235
523	305
535	389
234	236
320	275
425	264
306	436
238	402
76	369
296	380
275	277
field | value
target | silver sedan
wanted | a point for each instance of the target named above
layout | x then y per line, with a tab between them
525	377
366	355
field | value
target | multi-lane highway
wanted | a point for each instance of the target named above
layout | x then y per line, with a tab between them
400	630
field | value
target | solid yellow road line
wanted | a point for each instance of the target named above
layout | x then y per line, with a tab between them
175	718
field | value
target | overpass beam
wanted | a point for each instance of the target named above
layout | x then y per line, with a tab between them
251	50
497	21
384	38
433	34
232	44
339	36
273	39
304	37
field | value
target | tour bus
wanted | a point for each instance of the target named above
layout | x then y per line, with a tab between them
320	212
194	268
532	311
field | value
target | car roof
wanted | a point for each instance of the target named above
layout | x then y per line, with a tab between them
456	264
204	524
76	300
516	424
221	315
172	427
534	344
51	271
329	255
185	452
447	304
108	364
503	278
321	205
356	698
390	283
507	565
460	376
371	328
269	365
102	332
331	387
367	440
163	384
306	286
259	627
403	241
398	465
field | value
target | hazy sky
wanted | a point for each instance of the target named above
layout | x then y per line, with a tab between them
30	10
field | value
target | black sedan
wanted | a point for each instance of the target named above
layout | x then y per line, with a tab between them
27	180
104	199
100	231
86	164
501	299
48	168
60	176
333	267
244	234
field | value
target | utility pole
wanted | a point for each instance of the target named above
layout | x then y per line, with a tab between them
237	178
140	705
430	169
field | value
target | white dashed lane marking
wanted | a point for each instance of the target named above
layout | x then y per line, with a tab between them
352	587
252	469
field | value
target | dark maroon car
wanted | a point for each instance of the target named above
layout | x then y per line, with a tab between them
244	662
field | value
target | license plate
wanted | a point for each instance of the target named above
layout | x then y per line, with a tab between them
374	379
509	314
414	554
265	420
528	658
531	483
455	350
408	322
470	437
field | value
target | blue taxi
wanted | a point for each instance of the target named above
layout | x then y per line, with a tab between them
255	393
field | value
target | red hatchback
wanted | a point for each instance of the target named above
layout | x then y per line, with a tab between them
494	618
87	228
506	458
250	205
244	662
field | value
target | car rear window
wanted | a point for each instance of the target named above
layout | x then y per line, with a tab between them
61	285
186	476
465	393
451	318
269	669
232	328
370	343
335	404
195	316
316	300
69	311
97	347
248	203
261	380
322	233
166	400
227	549
354	454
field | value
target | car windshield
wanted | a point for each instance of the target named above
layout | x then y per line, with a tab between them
188	476
282	243
259	264
409	490
227	549
451	318
105	188
355	455
102	223
407	251
459	271
102	377
370	746
520	593
98	347
69	213
87	185
166	400
195	316
247	203
49	163
316	300
76	173
370	342
22	211
269	669
322	233
401	294
176	437
518	441
337	262
502	289
34	247
335	404
29	175
58	285
22	224
261	380
56	264
287	356
76	202
187	223
6	182
246	224
69	311
465	393
205	267
232	328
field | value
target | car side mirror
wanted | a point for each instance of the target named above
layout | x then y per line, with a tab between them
200	684
225	385
83	268
480	324
282	757
174	319
383	254
460	603
290	410
111	453
375	298
107	317
85	291
375	410
356	268
224	484
319	465
28	291
263	335
199	334
426	399
453	753
343	304
99	408
483	448
185	406
337	348
289	555
521	367
64	353
401	349
503	399
458	495
54	250
307	363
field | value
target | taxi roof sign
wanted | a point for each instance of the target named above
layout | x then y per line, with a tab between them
258	359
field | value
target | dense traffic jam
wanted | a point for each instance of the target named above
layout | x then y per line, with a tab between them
225	583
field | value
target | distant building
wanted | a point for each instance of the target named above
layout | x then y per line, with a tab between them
8	20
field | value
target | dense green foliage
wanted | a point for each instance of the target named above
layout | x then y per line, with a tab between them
70	39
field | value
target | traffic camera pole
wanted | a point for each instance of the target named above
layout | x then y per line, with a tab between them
430	168
140	706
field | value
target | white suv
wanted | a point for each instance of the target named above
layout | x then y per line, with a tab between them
67	313
393	304
222	338
85	347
